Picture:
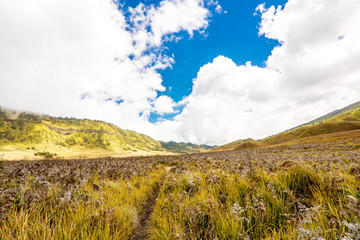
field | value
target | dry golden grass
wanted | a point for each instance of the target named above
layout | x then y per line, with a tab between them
308	190
347	120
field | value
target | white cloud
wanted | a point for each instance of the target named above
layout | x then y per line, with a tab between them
225	101
174	16
85	59
316	66
218	7
164	104
154	24
68	58
314	71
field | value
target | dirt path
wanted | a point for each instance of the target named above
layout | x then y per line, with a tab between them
142	230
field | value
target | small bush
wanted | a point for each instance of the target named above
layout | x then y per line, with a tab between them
45	154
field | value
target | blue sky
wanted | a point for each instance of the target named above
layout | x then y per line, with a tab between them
233	34
121	63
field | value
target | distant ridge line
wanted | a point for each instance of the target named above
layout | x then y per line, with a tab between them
329	115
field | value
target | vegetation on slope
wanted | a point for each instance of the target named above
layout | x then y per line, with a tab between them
238	145
351	108
184	148
342	120
37	134
347	121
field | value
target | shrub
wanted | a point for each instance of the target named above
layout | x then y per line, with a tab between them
45	154
303	181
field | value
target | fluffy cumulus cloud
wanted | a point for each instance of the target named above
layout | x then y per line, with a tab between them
225	101
152	25
89	59
314	70
164	104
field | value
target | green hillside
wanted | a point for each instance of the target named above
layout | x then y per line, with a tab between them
342	120
27	135
333	114
238	145
184	148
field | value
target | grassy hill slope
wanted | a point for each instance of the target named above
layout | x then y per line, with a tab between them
342	120
184	148
24	135
238	145
334	114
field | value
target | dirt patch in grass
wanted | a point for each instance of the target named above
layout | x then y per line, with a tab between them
142	230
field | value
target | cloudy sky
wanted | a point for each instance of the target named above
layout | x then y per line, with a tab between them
202	71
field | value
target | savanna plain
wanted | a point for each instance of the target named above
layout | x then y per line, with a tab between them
307	190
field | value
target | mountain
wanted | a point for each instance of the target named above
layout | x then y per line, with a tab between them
351	108
238	145
341	120
25	135
184	148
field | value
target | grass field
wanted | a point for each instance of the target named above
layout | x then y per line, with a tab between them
308	190
15	151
